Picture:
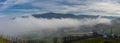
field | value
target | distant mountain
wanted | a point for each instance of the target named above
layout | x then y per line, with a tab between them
51	15
60	15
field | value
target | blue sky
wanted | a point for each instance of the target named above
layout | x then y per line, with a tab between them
91	7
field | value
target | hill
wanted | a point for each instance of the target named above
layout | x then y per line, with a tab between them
2	40
97	40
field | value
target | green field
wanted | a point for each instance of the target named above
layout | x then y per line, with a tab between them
2	40
97	40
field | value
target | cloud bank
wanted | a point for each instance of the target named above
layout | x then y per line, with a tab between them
21	26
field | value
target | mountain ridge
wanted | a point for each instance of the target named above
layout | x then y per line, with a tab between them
51	15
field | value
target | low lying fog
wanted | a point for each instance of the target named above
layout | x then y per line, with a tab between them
20	26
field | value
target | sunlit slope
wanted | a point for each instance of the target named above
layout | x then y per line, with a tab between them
2	40
97	40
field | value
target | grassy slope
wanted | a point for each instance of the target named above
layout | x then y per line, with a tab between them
97	40
3	40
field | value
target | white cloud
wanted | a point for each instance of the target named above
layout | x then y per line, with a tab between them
1	16
93	7
9	3
23	25
107	7
25	10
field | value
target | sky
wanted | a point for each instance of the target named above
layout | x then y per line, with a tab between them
89	7
11	8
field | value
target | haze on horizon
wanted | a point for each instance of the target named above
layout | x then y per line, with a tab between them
17	8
